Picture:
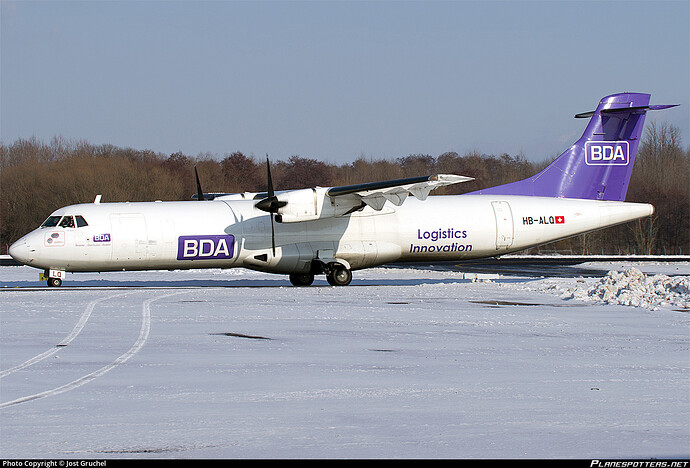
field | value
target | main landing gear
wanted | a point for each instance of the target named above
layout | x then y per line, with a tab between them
336	275
301	279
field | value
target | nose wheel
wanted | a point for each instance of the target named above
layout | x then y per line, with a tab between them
54	282
53	277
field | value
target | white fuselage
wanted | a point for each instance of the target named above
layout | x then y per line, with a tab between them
233	233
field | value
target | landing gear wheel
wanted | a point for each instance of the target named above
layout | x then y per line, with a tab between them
301	279
54	282
339	276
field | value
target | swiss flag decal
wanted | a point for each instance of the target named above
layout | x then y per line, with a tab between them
560	219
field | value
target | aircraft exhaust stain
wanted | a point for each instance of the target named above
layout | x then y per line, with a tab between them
497	304
240	335
505	303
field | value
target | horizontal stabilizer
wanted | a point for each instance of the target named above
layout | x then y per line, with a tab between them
587	115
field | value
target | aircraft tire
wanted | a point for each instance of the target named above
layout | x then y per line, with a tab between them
339	276
54	282
301	279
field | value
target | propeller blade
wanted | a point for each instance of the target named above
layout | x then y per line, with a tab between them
271	193
199	192
270	204
273	236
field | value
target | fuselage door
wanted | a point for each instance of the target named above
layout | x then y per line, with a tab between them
129	237
504	224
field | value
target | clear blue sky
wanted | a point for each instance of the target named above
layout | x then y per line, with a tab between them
334	80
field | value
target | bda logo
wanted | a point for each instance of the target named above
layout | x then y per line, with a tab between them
205	247
101	238
606	153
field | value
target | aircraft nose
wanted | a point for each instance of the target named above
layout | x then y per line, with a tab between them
21	251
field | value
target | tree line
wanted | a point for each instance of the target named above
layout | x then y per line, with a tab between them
36	178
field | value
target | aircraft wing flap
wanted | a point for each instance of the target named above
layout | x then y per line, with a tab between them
375	194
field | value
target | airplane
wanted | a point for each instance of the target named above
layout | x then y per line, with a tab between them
338	230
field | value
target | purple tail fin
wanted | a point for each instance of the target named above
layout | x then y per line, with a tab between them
598	166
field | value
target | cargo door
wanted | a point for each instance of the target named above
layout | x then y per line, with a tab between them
504	225
129	237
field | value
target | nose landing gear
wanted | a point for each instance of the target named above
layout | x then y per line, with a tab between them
54	282
54	277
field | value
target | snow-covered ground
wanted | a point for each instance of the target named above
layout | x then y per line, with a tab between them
403	363
631	286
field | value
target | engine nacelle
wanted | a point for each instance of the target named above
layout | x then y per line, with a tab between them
310	204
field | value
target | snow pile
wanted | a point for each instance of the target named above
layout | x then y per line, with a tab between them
633	288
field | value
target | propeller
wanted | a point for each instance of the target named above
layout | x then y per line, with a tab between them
270	204
199	192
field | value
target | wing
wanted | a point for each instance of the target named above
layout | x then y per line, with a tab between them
375	194
319	203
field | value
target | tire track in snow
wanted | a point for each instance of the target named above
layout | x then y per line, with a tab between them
136	347
68	339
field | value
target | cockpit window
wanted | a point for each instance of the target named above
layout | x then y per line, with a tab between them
52	221
67	222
